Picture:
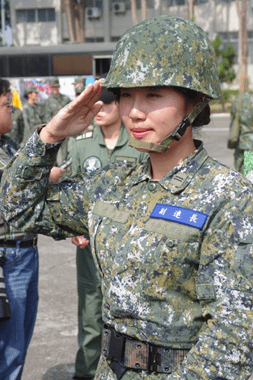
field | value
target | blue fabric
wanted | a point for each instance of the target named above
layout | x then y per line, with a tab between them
179	215
21	280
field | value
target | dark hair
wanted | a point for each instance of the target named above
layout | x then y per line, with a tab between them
4	86
202	119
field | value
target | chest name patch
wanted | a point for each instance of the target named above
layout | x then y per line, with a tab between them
179	215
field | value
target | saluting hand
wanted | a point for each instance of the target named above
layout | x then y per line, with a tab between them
75	117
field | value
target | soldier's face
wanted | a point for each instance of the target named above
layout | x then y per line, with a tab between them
108	115
151	113
5	115
55	90
34	96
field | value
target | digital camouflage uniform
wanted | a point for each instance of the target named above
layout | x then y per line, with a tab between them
17	132
51	106
245	140
33	116
89	153
194	266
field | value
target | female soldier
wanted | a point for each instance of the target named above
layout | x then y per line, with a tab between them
172	237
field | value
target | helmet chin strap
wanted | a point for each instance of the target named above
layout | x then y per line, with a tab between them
178	132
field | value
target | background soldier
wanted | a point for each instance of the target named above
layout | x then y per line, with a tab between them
17	132
92	150
79	85
52	105
242	111
32	112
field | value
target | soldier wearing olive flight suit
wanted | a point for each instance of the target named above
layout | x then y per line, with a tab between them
89	152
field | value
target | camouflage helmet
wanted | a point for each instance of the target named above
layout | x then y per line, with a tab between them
165	51
29	89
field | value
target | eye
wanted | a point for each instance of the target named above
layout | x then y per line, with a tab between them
124	94
153	95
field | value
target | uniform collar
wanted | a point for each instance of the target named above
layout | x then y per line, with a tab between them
122	139
177	179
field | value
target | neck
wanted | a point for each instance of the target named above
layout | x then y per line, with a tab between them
30	101
163	163
111	134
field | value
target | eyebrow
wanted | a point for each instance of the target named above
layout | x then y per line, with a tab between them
157	88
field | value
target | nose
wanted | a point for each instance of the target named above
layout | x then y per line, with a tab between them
136	111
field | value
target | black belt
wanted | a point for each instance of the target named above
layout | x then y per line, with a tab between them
22	243
131	353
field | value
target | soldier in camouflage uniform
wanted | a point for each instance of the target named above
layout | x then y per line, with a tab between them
17	132
92	150
245	139
32	112
19	261
79	85
52	105
18	126
173	237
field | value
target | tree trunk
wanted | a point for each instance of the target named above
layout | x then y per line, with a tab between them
134	12
70	19
190	5
79	22
144	11
241	7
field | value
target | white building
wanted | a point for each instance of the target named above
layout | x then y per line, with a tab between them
40	28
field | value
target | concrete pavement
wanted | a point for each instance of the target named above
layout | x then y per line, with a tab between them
51	354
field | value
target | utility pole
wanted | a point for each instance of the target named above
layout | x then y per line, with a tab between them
3	22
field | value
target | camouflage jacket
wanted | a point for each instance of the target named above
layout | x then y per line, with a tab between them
89	152
175	256
53	104
17	132
7	150
32	117
245	141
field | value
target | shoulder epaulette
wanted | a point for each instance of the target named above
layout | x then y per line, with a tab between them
85	135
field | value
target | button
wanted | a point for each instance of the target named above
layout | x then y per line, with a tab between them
151	186
170	243
40	151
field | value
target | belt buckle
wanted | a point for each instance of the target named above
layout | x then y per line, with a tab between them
112	345
154	359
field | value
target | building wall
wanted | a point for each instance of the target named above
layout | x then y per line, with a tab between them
36	33
214	16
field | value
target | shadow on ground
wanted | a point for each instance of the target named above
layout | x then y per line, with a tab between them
60	372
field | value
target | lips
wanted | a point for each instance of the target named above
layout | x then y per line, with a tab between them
139	133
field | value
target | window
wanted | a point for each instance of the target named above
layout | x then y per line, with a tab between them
171	3
36	15
26	15
94	3
47	14
37	65
201	1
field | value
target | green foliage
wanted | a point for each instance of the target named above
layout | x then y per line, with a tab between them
228	94
7	13
225	61
216	44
